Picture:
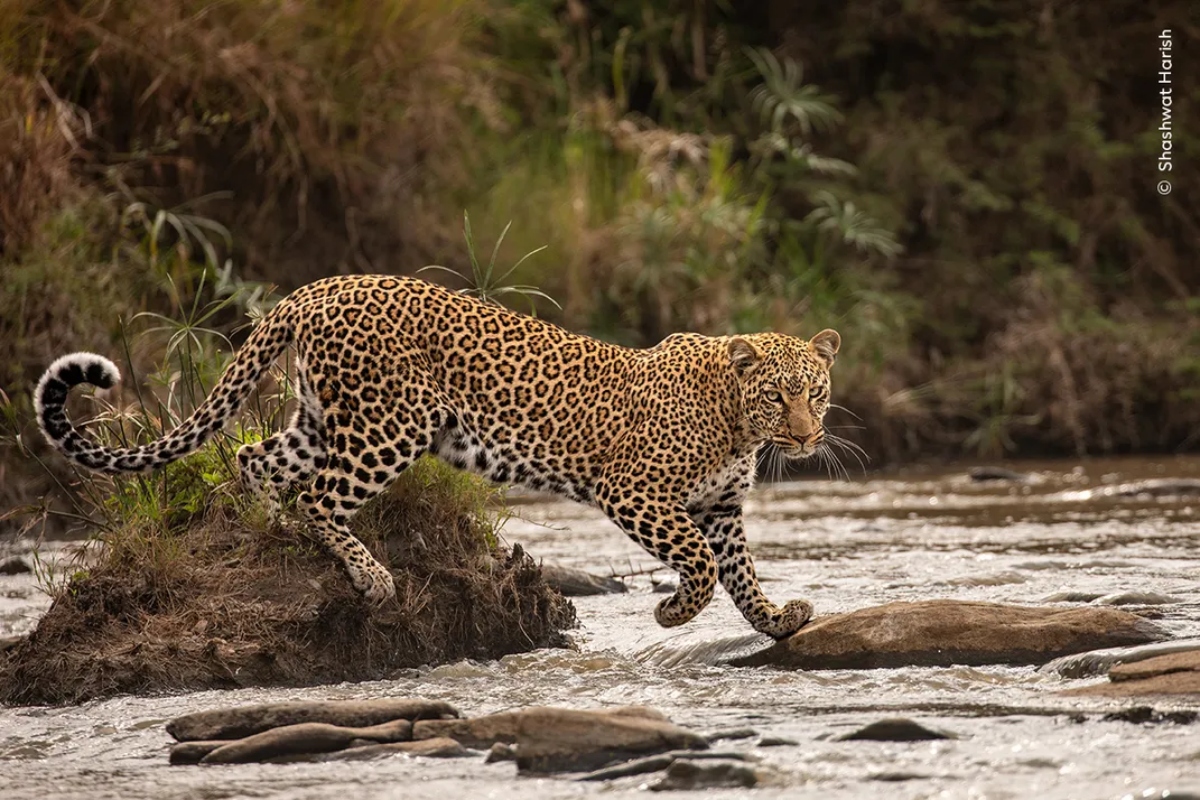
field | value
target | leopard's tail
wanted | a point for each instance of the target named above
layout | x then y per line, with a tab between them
264	345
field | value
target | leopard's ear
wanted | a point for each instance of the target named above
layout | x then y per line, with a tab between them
825	345
743	355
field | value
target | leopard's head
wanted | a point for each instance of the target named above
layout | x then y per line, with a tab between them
784	384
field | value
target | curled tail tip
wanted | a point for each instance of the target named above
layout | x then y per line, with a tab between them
78	368
72	370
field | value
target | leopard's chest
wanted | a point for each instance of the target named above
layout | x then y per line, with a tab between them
727	483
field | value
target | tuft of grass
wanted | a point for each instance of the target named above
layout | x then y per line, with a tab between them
485	283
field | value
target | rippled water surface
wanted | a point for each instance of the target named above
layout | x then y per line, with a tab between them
912	535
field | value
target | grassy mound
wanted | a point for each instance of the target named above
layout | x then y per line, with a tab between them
202	591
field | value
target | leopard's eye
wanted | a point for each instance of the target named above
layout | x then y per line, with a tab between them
773	396
814	392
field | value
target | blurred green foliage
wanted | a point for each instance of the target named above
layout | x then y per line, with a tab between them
965	191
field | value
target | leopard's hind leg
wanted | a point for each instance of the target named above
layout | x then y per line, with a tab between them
368	445
294	455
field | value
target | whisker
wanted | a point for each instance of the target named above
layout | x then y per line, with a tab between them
823	460
853	449
844	474
848	411
847	445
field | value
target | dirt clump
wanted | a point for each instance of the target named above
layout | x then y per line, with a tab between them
218	602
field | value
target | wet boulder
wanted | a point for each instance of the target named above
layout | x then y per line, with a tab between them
549	740
1099	662
947	632
895	729
304	739
1172	674
236	723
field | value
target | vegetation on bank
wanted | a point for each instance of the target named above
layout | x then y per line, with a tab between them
965	192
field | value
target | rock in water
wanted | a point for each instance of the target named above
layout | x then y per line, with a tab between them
304	739
14	566
1099	662
577	583
193	752
235	723
983	474
896	729
945	632
1072	597
686	775
1137	599
1173	674
642	766
567	740
427	748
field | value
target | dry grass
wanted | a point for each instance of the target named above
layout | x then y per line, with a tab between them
316	123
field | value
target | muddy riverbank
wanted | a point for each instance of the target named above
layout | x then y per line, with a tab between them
1063	532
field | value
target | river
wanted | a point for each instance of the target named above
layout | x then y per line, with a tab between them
911	534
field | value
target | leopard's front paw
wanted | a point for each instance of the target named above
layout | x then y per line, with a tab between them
783	622
672	611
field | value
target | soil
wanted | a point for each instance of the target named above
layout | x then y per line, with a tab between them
232	607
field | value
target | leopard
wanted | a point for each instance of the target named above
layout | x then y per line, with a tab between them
664	440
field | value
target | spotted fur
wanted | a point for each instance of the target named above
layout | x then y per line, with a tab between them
663	440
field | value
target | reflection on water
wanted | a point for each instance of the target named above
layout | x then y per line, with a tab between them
909	535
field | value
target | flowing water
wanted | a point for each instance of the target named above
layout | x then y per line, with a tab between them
912	535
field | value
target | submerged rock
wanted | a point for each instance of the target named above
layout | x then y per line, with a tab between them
235	723
14	566
731	735
1136	599
1072	597
1173	674
896	729
685	775
983	474
946	632
1099	662
578	583
567	740
662	761
1145	715
777	741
